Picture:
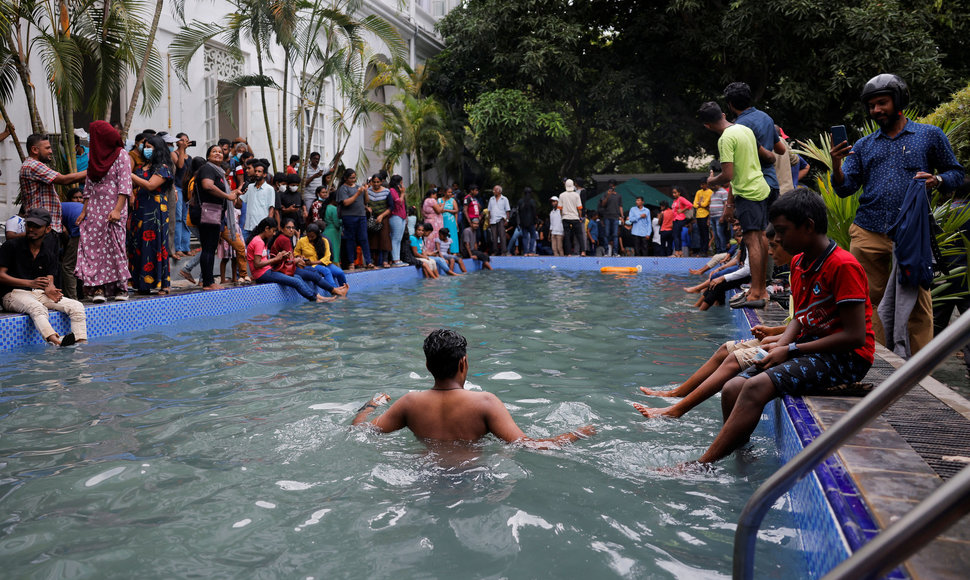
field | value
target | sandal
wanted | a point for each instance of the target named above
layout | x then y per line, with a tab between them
370	267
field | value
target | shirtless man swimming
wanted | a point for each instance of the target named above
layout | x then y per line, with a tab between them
447	412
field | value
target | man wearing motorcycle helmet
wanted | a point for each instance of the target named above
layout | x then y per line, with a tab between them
884	164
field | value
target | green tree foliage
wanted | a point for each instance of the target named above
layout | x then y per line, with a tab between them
627	76
956	111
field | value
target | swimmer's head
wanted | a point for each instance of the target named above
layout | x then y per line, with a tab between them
444	349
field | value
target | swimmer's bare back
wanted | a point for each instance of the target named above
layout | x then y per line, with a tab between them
457	415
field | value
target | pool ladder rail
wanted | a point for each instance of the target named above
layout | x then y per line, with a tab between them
931	517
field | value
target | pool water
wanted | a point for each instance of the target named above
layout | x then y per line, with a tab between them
221	448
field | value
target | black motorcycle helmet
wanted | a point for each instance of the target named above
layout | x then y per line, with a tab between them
887	84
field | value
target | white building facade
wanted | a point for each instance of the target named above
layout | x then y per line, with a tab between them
193	107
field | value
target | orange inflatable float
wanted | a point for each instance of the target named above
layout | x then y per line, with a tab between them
621	269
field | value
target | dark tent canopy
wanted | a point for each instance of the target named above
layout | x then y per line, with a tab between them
629	192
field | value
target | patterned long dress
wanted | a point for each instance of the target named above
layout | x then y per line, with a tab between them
101	255
431	216
147	251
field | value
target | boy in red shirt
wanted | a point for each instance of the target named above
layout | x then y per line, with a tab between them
830	339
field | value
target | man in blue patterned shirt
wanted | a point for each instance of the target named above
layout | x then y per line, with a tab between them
884	164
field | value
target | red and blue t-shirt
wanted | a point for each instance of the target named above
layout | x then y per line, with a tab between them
818	289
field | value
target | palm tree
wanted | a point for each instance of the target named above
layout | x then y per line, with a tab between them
15	58
250	19
415	124
286	18
97	40
142	71
331	46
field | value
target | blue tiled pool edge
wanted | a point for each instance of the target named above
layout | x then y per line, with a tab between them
121	317
829	524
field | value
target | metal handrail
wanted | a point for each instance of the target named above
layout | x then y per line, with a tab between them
881	398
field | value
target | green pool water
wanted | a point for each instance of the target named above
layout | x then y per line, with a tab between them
221	448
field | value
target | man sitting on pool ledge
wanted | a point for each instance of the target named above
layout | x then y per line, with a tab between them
447	412
828	342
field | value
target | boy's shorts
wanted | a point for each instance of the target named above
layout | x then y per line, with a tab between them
808	373
743	350
751	215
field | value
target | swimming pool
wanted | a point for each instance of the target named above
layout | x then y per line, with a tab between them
222	449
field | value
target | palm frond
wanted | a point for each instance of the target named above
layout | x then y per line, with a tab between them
187	41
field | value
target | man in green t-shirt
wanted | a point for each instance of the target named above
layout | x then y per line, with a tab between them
747	198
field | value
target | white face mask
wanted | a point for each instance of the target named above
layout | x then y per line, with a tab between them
293	187
282	187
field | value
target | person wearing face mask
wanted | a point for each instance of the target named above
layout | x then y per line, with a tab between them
294	166
148	236
137	159
289	200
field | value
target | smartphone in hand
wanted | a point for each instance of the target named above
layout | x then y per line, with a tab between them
839	135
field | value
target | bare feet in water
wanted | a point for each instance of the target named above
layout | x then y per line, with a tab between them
697	271
655	413
656	393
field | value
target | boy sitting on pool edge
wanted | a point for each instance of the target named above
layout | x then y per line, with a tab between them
730	358
828	342
446	411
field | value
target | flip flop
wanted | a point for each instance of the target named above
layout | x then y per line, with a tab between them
68	339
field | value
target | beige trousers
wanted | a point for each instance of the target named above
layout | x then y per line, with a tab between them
35	304
875	253
557	244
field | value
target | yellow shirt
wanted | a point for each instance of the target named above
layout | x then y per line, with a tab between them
702	201
304	248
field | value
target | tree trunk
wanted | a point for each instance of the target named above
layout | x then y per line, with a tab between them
309	135
66	111
262	96
286	78
140	78
13	132
23	71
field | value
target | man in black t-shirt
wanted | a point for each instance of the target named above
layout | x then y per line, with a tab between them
27	267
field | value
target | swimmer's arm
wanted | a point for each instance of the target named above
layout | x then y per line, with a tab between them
392	420
502	425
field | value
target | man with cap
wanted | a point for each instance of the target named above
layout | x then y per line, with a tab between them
37	179
883	164
27	267
555	227
469	243
572	205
